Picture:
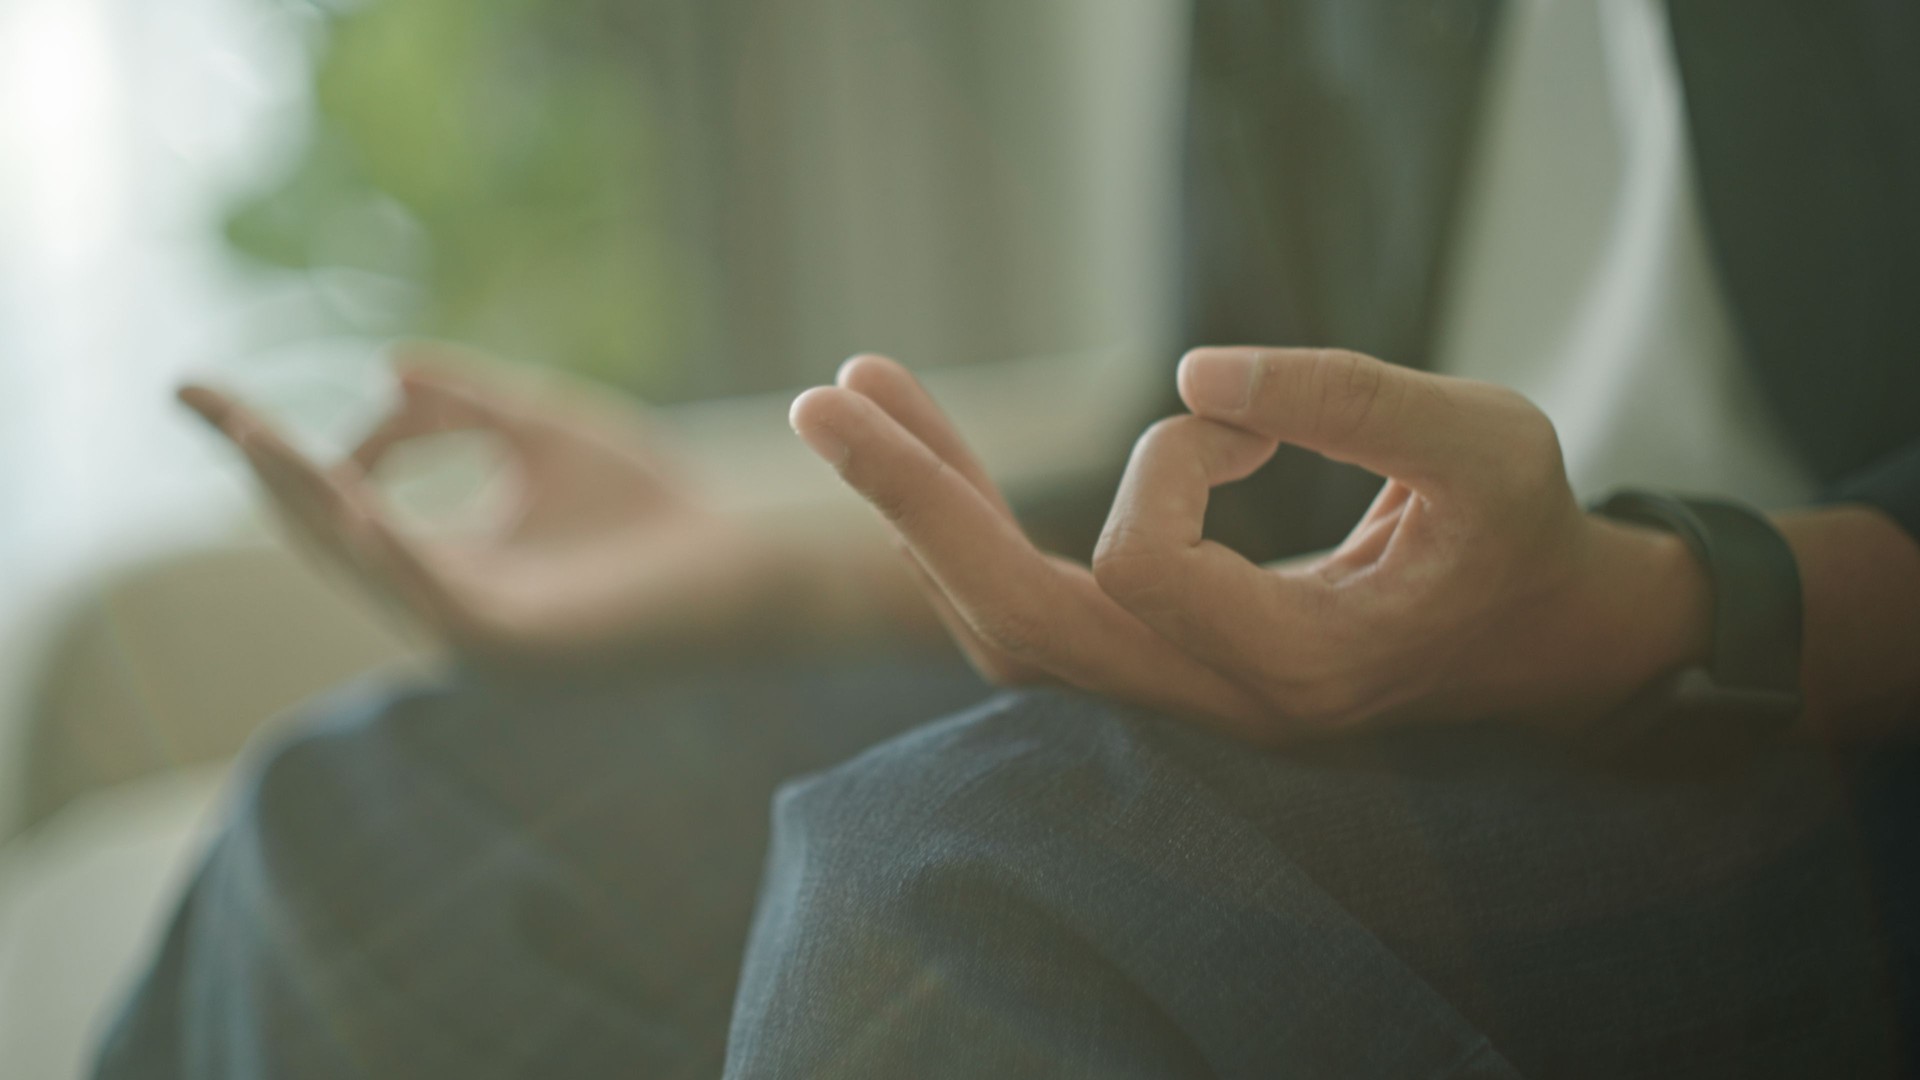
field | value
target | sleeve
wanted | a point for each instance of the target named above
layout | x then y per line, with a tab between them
1891	484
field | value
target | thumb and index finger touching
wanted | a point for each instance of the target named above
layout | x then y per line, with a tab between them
333	509
436	395
440	395
1245	402
1409	425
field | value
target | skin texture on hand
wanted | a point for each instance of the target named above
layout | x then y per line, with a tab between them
609	553
1474	586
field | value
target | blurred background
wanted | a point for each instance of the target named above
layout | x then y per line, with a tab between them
704	203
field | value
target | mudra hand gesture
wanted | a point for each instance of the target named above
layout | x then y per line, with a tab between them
607	550
1475	585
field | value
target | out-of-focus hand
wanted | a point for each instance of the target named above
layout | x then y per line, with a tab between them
606	551
1475	585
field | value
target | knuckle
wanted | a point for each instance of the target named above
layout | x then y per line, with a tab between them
1530	459
1128	568
1352	391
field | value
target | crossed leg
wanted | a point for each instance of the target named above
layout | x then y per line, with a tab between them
1052	886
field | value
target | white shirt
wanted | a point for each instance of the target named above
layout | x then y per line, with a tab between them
1582	276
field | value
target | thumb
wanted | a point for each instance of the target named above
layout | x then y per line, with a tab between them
1391	420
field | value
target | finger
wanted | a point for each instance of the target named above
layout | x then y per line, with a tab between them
1368	541
516	400
287	473
993	664
412	576
222	411
317	504
1394	421
434	402
889	385
306	498
464	376
1153	559
900	398
1175	465
1113	653
1040	612
330	512
406	422
333	511
209	404
964	540
462	398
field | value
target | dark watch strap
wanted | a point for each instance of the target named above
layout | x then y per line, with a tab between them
1755	660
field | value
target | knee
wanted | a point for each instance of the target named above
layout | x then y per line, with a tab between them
305	782
972	788
934	865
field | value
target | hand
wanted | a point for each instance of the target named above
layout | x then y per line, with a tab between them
606	552
1474	586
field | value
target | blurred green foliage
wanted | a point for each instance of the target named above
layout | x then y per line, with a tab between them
487	171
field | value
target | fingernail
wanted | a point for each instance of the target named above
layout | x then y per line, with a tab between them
1220	381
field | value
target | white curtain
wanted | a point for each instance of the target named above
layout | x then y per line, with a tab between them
124	125
943	182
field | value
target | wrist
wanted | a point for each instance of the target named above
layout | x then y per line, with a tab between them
1640	605
1860	578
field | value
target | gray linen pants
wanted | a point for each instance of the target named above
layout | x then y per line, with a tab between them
484	879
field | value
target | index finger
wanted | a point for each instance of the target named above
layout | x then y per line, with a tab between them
433	405
1153	559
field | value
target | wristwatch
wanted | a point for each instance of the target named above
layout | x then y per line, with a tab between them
1751	680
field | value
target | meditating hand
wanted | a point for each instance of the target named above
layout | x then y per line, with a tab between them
1475	585
607	550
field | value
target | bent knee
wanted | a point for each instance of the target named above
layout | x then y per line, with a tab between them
310	777
1024	760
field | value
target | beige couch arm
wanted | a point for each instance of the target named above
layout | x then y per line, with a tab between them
177	661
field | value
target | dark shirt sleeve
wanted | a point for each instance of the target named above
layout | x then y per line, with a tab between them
1891	484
